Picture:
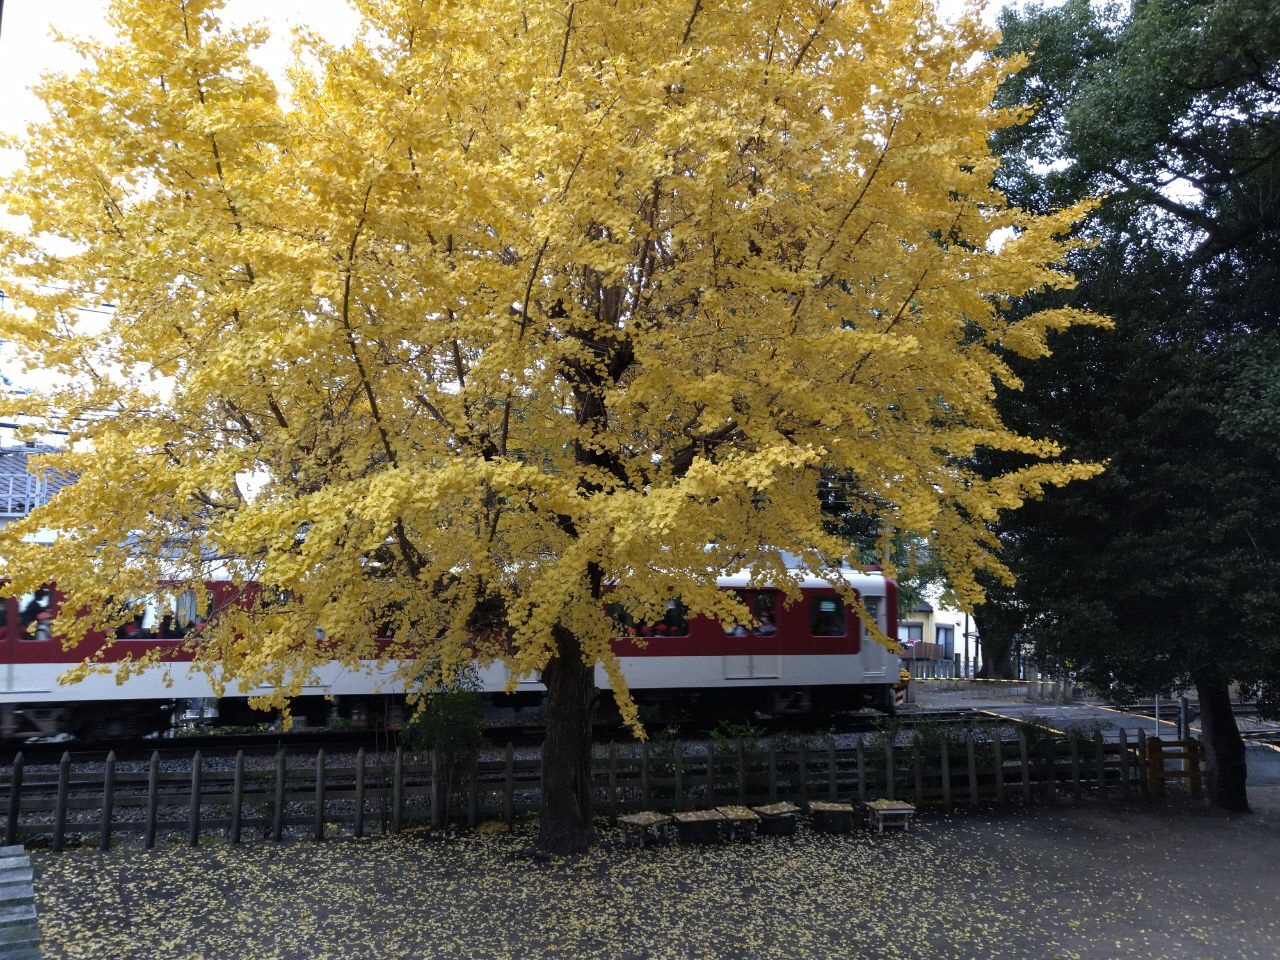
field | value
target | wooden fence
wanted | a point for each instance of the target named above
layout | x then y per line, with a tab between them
310	796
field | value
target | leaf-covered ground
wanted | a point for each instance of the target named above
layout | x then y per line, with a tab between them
1088	881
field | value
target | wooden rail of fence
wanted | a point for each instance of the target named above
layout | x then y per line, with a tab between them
383	794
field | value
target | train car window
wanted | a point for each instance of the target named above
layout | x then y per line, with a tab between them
873	612
826	616
763	607
674	623
35	615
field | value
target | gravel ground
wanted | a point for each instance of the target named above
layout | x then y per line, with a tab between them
1086	882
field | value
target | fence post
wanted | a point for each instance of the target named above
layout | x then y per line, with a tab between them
711	773
862	772
318	825
15	802
742	772
1193	768
1100	759
1155	766
108	796
473	794
773	772
997	747
946	770
1124	764
509	783
237	796
277	817
613	781
1026	765
358	826
890	774
193	826
917	768
1075	765
678	775
1144	785
153	799
438	810
644	774
1049	757
833	785
397	790
804	774
973	769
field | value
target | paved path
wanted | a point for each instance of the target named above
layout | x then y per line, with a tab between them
1263	759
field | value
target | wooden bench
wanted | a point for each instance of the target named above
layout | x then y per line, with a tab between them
743	822
893	813
777	818
637	827
832	817
700	826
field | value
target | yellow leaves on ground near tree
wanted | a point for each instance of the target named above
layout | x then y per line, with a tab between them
503	303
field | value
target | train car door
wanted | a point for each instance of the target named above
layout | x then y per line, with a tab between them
754	649
8	619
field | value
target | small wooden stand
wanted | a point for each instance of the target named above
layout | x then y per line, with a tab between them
1188	751
832	817
742	822
638	827
893	813
777	819
700	826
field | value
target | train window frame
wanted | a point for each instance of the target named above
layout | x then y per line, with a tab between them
752	599
816	610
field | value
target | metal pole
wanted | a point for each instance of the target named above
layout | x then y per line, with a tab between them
1184	726
966	645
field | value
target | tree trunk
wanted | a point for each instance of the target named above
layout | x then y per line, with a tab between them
565	825
1224	747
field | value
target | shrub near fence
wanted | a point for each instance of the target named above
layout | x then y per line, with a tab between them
385	794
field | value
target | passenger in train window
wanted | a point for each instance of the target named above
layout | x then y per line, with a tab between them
37	617
675	623
828	617
766	627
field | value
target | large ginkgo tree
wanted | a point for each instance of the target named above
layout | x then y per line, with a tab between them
507	303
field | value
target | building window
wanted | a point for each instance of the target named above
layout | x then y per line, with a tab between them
947	640
909	634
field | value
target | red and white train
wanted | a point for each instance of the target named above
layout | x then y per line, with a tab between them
810	656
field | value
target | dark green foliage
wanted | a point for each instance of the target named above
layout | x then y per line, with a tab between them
1165	570
449	722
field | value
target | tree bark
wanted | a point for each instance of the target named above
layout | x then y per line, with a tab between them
1224	746
565	825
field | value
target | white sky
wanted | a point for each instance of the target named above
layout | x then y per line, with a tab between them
27	48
